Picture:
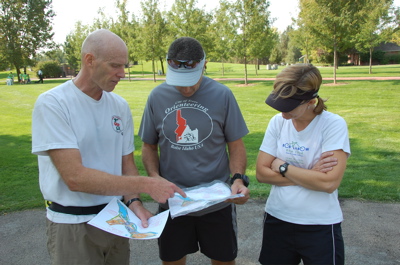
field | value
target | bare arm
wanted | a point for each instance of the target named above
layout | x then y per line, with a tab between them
80	178
265	174
150	159
129	169
237	164
313	179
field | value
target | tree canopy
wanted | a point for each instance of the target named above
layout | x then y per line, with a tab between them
25	28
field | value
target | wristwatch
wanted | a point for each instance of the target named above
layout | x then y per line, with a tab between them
133	200
283	168
243	177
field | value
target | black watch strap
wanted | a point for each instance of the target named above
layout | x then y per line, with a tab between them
132	200
244	178
283	168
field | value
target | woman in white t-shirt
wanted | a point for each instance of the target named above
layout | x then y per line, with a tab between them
303	155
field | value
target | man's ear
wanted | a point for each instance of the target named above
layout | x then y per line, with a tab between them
89	58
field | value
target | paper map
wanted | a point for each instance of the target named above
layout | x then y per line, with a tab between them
200	197
118	219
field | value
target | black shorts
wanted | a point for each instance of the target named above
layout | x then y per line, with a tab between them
287	243
214	233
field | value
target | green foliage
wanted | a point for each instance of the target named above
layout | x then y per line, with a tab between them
186	20
393	58
73	44
222	33
377	56
25	27
50	69
153	28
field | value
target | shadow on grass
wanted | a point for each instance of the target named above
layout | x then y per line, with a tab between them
19	174
370	174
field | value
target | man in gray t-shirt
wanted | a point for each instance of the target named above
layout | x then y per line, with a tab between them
196	125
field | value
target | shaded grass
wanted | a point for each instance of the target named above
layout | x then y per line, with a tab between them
369	107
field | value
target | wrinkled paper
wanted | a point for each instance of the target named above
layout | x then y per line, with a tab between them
200	197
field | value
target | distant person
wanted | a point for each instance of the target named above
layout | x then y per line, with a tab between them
41	76
83	136
10	79
303	155
192	130
21	78
25	77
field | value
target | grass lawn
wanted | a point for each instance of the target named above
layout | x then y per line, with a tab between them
214	70
369	107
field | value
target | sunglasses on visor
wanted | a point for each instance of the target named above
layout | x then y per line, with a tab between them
188	64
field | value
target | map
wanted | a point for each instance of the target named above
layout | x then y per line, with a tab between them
200	197
118	219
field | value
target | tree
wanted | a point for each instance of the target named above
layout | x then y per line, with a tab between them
276	55
331	23
394	29
222	31
186	20
261	36
303	39
253	21
293	52
153	31
127	29
25	27
73	44
374	16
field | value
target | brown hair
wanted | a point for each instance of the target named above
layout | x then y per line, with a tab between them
299	79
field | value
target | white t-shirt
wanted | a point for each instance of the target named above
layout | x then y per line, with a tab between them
65	117
295	204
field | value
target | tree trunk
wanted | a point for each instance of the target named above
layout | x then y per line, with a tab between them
370	60
154	70
334	64
245	70
162	65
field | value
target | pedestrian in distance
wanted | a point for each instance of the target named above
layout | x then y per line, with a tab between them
303	156
83	136
10	79
41	76
188	124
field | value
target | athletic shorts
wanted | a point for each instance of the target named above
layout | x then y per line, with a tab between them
215	234
85	244
287	243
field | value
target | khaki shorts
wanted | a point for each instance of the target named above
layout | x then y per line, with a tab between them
85	244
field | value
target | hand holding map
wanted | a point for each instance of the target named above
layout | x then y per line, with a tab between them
200	197
118	219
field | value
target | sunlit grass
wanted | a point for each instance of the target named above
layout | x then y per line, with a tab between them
369	107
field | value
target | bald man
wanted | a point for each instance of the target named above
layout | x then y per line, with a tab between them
83	136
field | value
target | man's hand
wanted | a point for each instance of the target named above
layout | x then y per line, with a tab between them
238	188
325	163
161	189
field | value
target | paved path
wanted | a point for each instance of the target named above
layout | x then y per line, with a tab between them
371	232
